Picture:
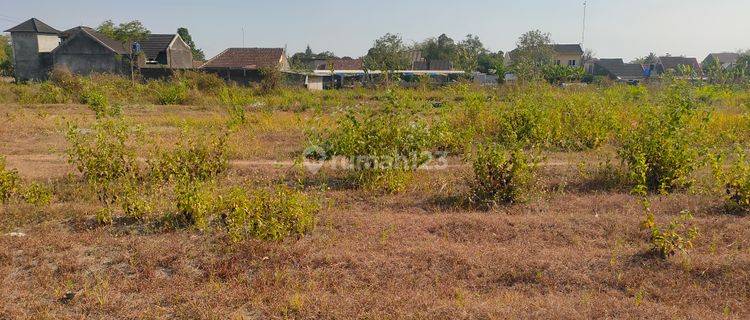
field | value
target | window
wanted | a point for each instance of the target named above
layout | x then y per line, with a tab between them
572	63
557	62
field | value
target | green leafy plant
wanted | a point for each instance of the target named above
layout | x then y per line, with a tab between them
501	176
37	194
10	182
383	146
734	179
665	146
105	156
668	239
268	215
174	93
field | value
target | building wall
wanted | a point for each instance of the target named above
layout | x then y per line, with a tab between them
47	42
241	77
83	55
179	55
314	83
27	61
564	58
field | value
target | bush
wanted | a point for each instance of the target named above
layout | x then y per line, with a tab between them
383	146
66	80
11	185
196	159
172	93
201	81
735	182
501	176
268	215
37	194
99	103
271	79
667	240
106	157
10	182
195	205
664	147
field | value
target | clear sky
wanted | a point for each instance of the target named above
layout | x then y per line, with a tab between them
615	28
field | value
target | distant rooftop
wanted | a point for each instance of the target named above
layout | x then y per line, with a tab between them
246	58
34	25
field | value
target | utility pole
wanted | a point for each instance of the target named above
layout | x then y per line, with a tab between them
243	37
583	31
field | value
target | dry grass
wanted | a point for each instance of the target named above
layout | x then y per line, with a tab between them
573	251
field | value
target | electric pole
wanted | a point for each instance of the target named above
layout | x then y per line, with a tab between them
583	31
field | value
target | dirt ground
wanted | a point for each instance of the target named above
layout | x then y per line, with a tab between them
575	250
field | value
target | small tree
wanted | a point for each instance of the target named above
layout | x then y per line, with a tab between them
387	54
468	52
126	33
185	35
534	52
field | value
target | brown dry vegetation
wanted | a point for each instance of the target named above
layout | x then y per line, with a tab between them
574	250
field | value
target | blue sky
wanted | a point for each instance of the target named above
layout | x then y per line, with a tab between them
616	28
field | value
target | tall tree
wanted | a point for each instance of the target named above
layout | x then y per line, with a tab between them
647	60
185	35
491	63
388	53
468	52
533	54
440	48
126	33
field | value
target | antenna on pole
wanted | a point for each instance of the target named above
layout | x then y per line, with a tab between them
583	31
243	37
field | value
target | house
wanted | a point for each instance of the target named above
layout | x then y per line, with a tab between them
244	65
84	51
725	59
562	54
166	51
668	63
424	64
38	48
33	42
568	54
618	70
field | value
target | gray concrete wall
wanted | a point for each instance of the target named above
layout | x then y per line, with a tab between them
83	55
27	61
179	55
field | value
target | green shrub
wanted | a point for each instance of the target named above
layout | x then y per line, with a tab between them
197	158
665	146
268	215
735	182
51	94
99	103
501	176
37	194
381	145
195	205
204	82
667	240
172	93
235	96
10	182
105	156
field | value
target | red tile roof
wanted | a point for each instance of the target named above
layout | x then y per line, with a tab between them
246	58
